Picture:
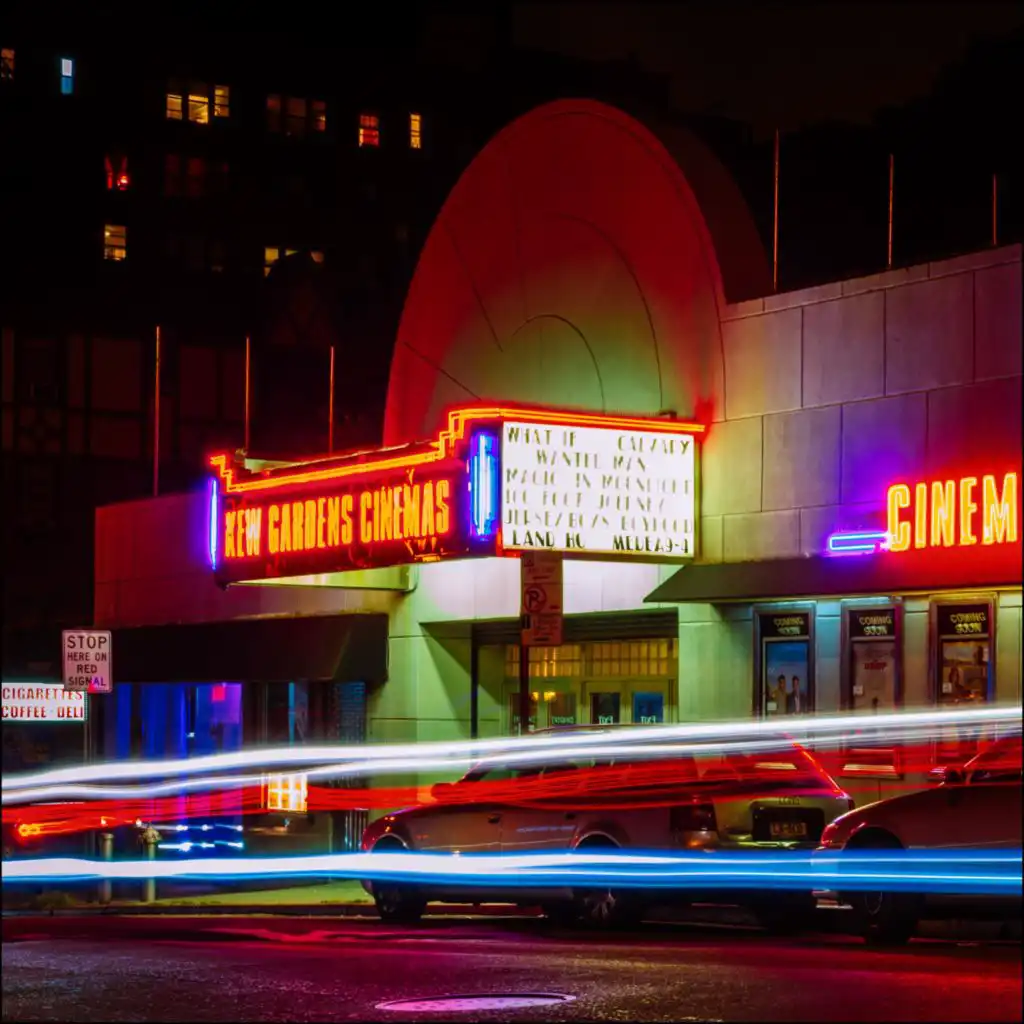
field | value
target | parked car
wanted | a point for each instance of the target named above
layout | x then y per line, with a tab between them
769	801
977	806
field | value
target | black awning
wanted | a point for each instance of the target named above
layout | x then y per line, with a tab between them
322	648
845	576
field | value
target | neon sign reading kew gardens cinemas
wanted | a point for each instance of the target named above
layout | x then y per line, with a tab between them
495	480
954	513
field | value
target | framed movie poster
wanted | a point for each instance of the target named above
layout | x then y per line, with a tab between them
785	662
963	635
872	683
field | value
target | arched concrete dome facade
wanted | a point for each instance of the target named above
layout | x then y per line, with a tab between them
581	261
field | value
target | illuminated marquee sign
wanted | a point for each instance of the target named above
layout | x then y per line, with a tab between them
953	513
495	480
43	702
598	490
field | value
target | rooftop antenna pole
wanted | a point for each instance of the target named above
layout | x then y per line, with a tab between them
330	409
156	417
888	258
995	209
248	393
775	220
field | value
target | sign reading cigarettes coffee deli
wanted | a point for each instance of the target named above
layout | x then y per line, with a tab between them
494	481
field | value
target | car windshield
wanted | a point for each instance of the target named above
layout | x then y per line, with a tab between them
1001	762
785	765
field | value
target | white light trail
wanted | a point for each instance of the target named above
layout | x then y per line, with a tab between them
809	729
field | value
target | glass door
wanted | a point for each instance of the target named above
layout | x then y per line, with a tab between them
604	703
648	702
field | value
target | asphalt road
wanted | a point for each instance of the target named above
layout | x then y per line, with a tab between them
257	969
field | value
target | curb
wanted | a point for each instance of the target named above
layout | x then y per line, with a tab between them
142	920
366	910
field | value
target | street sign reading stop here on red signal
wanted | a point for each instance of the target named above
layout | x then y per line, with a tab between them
87	660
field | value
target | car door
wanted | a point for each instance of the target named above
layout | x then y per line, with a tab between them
461	822
545	824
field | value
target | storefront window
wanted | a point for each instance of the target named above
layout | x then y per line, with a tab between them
600	682
176	720
562	709
786	669
287	713
514	715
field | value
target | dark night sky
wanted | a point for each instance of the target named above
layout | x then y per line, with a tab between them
775	64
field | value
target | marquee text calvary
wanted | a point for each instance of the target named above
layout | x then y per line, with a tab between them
367	516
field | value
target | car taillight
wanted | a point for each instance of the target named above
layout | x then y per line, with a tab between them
693	818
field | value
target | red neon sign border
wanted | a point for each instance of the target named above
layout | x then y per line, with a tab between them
443	446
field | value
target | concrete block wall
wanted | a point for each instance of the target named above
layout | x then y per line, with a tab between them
833	392
829	395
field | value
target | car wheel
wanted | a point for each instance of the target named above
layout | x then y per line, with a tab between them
786	913
884	918
398	904
608	908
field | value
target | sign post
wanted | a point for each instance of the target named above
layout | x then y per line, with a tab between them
87	660
540	616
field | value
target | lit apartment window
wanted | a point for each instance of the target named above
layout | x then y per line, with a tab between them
115	242
6	65
318	117
221	101
415	131
272	253
295	116
116	168
274	113
199	103
174	106
369	130
67	76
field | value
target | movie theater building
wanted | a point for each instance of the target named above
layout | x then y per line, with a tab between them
765	504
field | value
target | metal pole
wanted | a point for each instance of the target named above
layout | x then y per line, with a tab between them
330	408
995	209
156	418
524	688
775	223
892	166
248	372
149	890
107	855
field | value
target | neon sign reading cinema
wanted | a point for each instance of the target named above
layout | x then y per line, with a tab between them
494	481
953	513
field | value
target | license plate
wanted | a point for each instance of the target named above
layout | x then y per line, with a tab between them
788	829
